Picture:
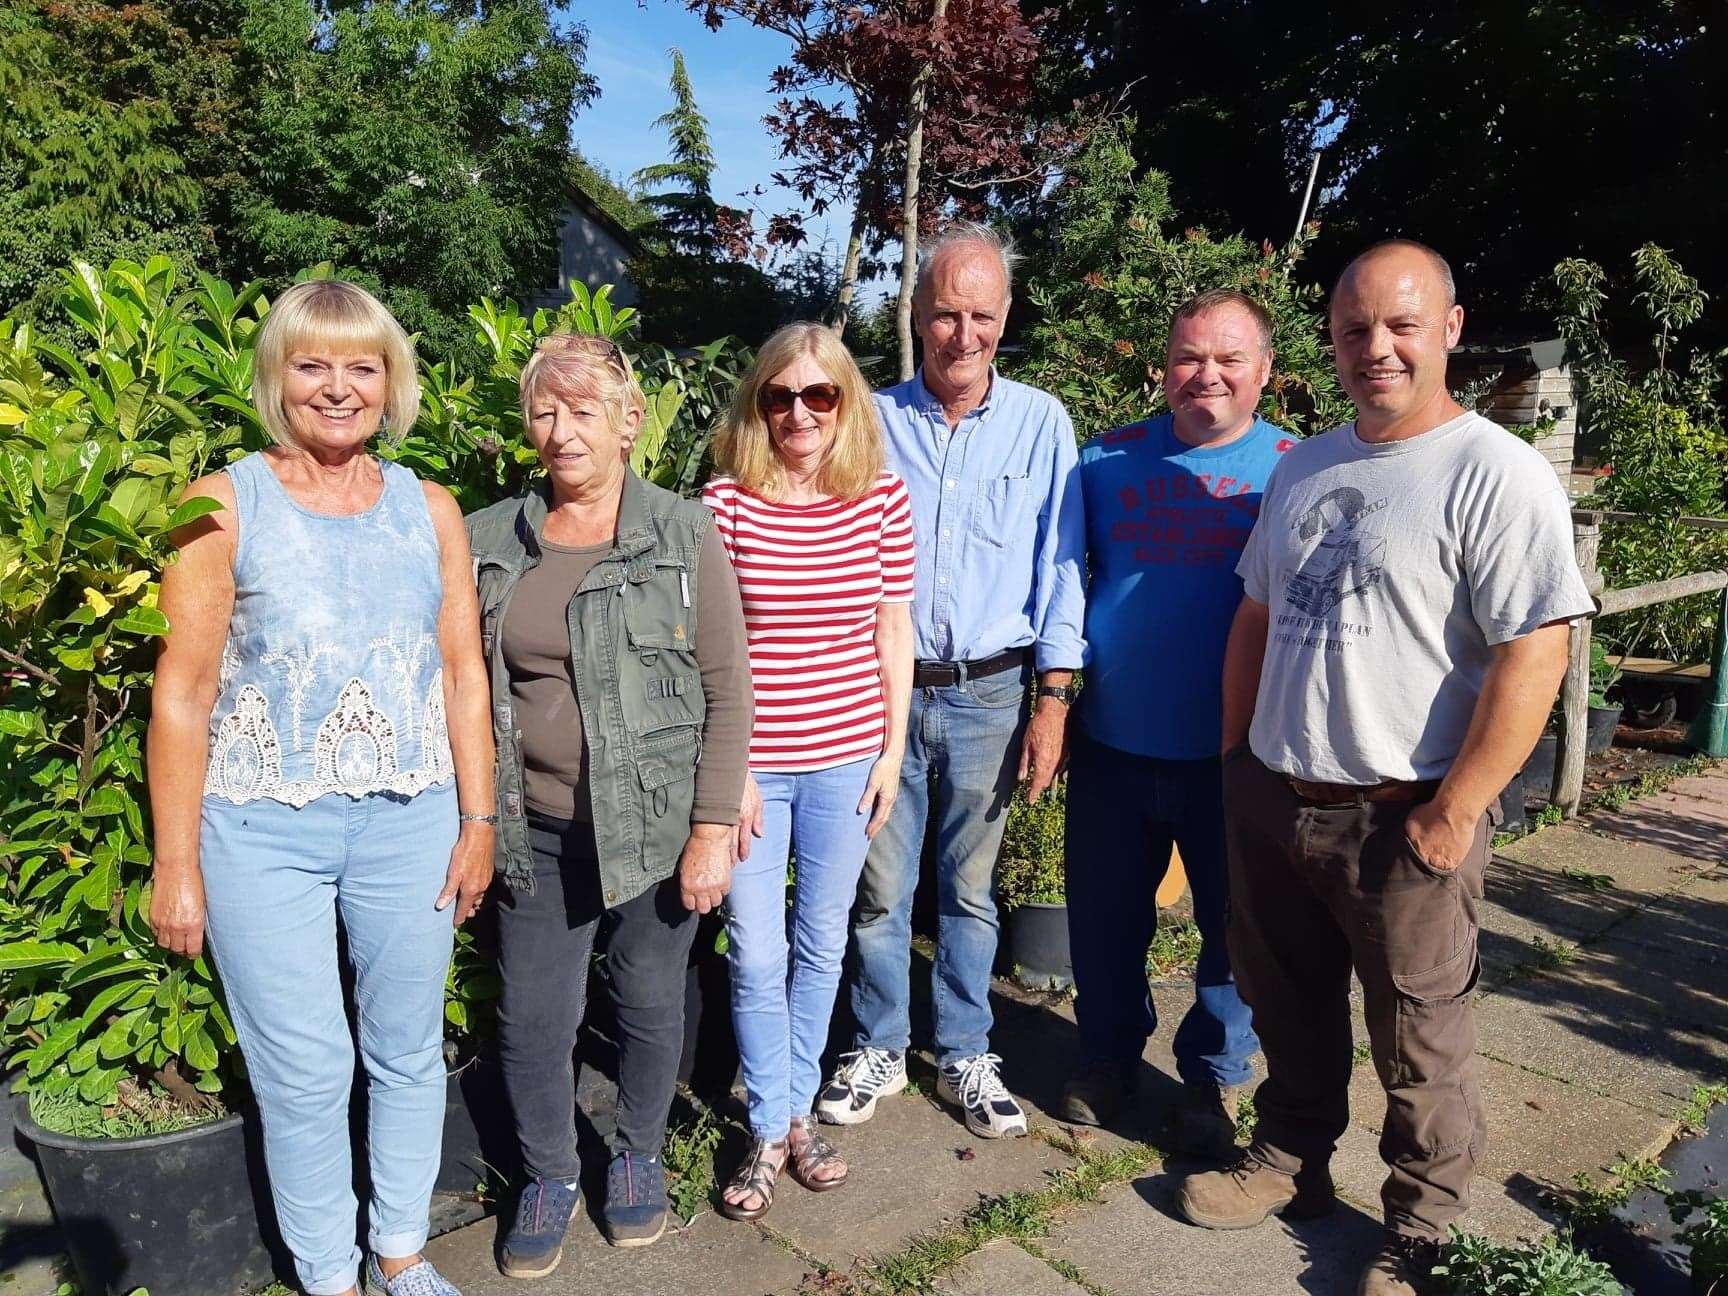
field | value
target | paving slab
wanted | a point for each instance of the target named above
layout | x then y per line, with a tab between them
1606	1021
1540	1130
1690	818
1528	876
1132	1244
1002	1269
914	1166
714	1257
1689	924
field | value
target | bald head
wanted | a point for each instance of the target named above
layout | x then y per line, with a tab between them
1403	249
1393	321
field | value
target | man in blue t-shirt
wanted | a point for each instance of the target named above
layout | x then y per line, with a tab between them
1169	505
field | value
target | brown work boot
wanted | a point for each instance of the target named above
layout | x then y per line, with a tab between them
1402	1267
1094	1094
1245	1194
1204	1121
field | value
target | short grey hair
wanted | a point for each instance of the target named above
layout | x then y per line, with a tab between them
961	233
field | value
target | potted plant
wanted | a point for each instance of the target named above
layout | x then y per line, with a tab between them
1604	716
1030	888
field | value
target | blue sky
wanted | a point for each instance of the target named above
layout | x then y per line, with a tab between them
628	44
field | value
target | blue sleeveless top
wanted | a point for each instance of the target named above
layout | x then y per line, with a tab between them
331	679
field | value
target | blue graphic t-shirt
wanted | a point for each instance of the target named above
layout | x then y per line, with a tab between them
1165	525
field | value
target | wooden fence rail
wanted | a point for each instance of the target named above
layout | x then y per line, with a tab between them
1709	732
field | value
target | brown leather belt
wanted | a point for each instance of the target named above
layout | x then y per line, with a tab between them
940	674
1356	794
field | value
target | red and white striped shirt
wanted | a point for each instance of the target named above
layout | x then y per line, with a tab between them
811	576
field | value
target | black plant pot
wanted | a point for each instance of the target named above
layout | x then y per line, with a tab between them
1599	729
480	1145
1512	805
1038	946
183	1214
1538	772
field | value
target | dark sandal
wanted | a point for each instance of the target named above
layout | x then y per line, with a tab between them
813	1154
757	1175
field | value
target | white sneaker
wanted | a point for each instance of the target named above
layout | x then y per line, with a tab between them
973	1085
861	1078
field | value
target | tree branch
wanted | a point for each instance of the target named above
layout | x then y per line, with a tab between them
29	668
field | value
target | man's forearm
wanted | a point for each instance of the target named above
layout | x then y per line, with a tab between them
1244	653
1517	695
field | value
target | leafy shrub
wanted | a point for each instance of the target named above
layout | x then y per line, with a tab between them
1471	1265
1663	439
1706	1238
1031	869
95	446
1114	272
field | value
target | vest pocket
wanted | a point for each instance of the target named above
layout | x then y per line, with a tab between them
663	759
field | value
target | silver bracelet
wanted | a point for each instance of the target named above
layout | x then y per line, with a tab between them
478	818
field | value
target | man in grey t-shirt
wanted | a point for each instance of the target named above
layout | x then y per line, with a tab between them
1400	642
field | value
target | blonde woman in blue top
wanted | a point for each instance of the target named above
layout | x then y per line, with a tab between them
320	747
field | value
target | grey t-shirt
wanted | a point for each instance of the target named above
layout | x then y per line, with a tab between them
1389	572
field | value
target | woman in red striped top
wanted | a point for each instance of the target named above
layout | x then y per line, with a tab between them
820	535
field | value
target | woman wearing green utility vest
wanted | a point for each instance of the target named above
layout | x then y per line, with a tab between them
621	706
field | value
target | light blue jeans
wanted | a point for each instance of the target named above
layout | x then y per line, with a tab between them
962	753
275	880
779	1012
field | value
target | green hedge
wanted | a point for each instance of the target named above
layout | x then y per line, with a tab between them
96	445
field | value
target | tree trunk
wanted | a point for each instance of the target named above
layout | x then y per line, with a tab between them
842	311
909	214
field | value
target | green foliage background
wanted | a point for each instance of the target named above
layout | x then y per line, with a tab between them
97	441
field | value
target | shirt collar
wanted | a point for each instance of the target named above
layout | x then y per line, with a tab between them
929	404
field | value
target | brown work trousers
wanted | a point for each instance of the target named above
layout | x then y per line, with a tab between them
1319	890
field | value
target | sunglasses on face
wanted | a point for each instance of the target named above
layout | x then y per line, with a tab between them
818	398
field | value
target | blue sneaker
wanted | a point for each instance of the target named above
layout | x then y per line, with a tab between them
535	1243
418	1279
636	1209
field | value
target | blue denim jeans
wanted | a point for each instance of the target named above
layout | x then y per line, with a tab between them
962	753
781	1012
1124	813
275	880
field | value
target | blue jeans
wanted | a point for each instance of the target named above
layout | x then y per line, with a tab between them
962	753
275	879
780	1015
1124	812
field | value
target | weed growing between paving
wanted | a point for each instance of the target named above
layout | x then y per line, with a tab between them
1591	1206
1646	784
689	1161
1471	1265
1175	949
1705	1099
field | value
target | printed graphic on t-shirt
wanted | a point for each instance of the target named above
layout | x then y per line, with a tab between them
1197	519
1349	560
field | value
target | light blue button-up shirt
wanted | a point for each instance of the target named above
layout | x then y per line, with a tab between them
996	513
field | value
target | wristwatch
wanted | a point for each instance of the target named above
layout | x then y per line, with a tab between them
1063	693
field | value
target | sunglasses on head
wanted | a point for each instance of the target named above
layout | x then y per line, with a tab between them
818	398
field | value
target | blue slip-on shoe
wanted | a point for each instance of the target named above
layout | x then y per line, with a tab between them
418	1279
535	1243
635	1213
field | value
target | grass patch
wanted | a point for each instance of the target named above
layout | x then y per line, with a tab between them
689	1162
137	1113
1471	1265
1175	949
1553	954
1705	1099
1019	1216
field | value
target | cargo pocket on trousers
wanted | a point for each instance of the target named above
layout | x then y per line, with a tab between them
1432	1025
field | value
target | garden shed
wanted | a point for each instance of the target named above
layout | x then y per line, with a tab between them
1521	385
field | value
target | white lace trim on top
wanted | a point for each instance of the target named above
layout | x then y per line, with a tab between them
354	752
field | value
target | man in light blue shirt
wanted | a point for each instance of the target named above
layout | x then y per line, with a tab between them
996	507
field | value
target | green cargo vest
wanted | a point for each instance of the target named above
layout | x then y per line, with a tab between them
633	657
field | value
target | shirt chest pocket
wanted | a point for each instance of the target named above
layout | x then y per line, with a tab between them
659	626
1004	515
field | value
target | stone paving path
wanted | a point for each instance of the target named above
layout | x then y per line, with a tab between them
1604	1003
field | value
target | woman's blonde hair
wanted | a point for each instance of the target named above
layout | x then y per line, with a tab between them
345	318
744	449
583	363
